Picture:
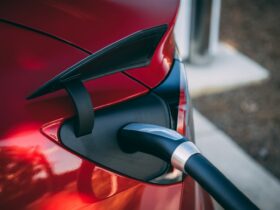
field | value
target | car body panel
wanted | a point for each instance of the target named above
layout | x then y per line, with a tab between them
29	60
36	172
93	25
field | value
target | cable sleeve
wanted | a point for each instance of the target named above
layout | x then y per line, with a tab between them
214	182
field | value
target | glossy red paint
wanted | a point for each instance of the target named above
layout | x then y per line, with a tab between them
30	60
37	173
90	24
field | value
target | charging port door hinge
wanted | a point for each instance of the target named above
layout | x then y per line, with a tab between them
84	119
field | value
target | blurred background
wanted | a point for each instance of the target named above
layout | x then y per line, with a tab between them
251	115
231	49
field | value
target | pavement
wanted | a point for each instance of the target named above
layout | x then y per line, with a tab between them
250	177
230	69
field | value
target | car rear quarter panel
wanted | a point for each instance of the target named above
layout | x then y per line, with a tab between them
35	171
92	25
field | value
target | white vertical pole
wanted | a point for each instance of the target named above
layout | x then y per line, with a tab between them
182	29
215	26
197	30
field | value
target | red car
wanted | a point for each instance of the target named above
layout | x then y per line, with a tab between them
72	74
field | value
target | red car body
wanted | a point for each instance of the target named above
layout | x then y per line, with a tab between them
39	39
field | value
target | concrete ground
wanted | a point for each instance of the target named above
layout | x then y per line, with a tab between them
251	178
231	69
